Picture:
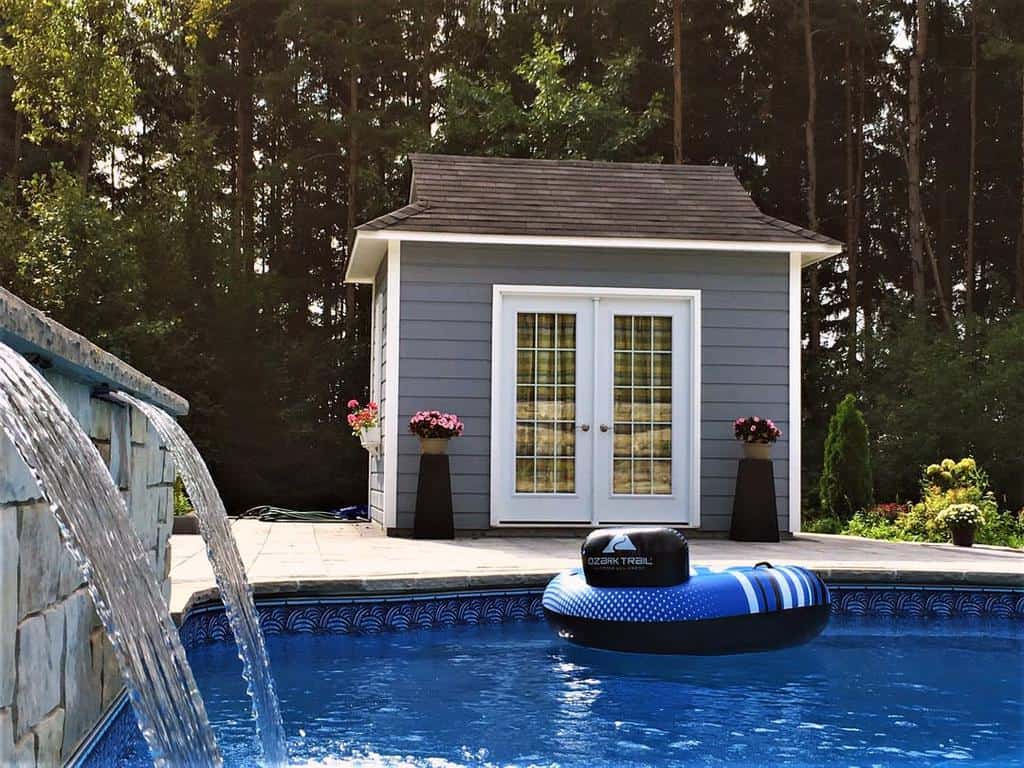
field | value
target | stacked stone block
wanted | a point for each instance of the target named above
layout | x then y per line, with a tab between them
58	672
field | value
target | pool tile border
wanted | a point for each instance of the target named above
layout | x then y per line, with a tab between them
372	615
923	602
368	615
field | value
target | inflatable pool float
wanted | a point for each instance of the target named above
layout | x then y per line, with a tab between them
637	592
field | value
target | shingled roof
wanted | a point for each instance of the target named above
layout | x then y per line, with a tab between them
577	198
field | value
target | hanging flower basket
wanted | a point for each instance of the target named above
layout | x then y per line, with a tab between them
370	439
365	425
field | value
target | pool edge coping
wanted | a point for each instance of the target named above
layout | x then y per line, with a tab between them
412	584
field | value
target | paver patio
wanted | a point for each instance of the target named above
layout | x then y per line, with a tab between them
282	558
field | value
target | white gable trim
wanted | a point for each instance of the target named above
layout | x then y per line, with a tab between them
371	246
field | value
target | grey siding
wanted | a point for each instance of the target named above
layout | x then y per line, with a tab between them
378	363
445	352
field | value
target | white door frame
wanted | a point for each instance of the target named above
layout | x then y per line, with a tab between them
499	452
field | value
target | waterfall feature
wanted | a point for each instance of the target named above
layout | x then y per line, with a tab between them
235	591
95	525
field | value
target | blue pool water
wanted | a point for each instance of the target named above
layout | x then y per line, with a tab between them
869	692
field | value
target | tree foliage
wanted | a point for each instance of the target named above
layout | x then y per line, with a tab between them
179	179
560	119
846	482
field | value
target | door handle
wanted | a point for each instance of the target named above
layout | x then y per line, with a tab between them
604	427
584	427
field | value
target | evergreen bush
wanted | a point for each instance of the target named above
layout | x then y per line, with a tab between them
846	484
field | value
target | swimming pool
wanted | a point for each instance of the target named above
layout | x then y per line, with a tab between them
870	691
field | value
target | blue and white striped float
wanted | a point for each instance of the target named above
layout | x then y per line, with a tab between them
707	611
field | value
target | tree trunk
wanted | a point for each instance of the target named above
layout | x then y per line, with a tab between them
677	80
19	129
867	279
944	307
814	343
351	193
244	161
914	207
1019	292
969	268
854	188
84	164
8	126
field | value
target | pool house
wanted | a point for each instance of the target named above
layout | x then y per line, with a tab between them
597	326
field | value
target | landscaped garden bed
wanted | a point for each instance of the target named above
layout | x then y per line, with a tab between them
956	501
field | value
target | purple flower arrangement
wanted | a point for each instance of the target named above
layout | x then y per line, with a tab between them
754	429
435	424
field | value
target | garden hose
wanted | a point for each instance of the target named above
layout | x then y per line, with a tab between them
270	514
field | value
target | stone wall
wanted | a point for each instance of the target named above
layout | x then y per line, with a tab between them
57	669
58	673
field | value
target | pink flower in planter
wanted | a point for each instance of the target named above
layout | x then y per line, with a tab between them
435	424
361	419
754	429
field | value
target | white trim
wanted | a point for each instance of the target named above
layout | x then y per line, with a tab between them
696	384
595	456
390	437
375	344
497	454
598	291
368	251
795	346
497	295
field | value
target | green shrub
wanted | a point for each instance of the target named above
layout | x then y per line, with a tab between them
952	484
947	489
845	484
872	525
182	504
825	524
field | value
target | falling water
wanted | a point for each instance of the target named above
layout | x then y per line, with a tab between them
235	591
96	527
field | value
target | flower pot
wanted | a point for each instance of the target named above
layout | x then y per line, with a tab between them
757	450
963	535
370	439
434	445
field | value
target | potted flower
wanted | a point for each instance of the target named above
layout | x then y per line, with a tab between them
962	520
435	429
365	424
757	435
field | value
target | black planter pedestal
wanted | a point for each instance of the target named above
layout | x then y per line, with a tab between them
754	513
434	516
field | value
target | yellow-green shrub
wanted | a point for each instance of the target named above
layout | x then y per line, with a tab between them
943	485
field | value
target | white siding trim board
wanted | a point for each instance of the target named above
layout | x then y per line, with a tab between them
375	362
391	381
795	395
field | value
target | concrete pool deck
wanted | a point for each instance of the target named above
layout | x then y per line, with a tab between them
356	558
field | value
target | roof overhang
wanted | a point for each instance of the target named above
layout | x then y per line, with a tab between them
371	246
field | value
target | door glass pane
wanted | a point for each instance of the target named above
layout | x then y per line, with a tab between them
545	403
642	405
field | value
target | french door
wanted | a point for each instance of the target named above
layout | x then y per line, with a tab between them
594	417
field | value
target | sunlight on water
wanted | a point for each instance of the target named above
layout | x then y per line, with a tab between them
235	591
98	531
